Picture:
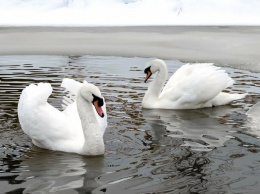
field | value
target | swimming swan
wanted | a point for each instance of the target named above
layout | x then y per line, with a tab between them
77	129
191	87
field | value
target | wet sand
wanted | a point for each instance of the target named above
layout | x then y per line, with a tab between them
227	46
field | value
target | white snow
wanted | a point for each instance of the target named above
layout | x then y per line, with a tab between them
128	12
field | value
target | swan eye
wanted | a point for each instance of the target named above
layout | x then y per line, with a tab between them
100	100
148	69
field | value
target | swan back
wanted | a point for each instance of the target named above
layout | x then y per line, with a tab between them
196	83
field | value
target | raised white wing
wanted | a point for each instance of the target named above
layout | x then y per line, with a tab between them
71	89
42	121
198	83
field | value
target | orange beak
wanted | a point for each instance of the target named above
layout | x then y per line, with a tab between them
148	75
98	109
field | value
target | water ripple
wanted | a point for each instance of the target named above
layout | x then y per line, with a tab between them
147	151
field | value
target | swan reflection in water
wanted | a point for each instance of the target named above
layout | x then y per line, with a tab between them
201	128
47	171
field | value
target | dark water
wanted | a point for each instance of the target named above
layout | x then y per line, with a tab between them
191	151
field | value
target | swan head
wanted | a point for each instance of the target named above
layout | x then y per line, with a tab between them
152	67
92	94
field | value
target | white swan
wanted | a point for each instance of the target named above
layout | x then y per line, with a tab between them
77	129
191	87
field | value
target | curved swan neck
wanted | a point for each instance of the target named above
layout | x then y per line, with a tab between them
157	84
94	144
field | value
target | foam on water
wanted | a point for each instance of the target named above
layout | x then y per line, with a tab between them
128	12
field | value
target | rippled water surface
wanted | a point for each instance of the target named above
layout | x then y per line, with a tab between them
189	151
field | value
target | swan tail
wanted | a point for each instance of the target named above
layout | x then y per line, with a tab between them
226	98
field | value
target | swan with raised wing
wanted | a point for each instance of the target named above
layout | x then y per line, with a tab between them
77	129
192	86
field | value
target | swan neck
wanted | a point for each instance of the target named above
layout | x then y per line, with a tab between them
157	84
94	144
